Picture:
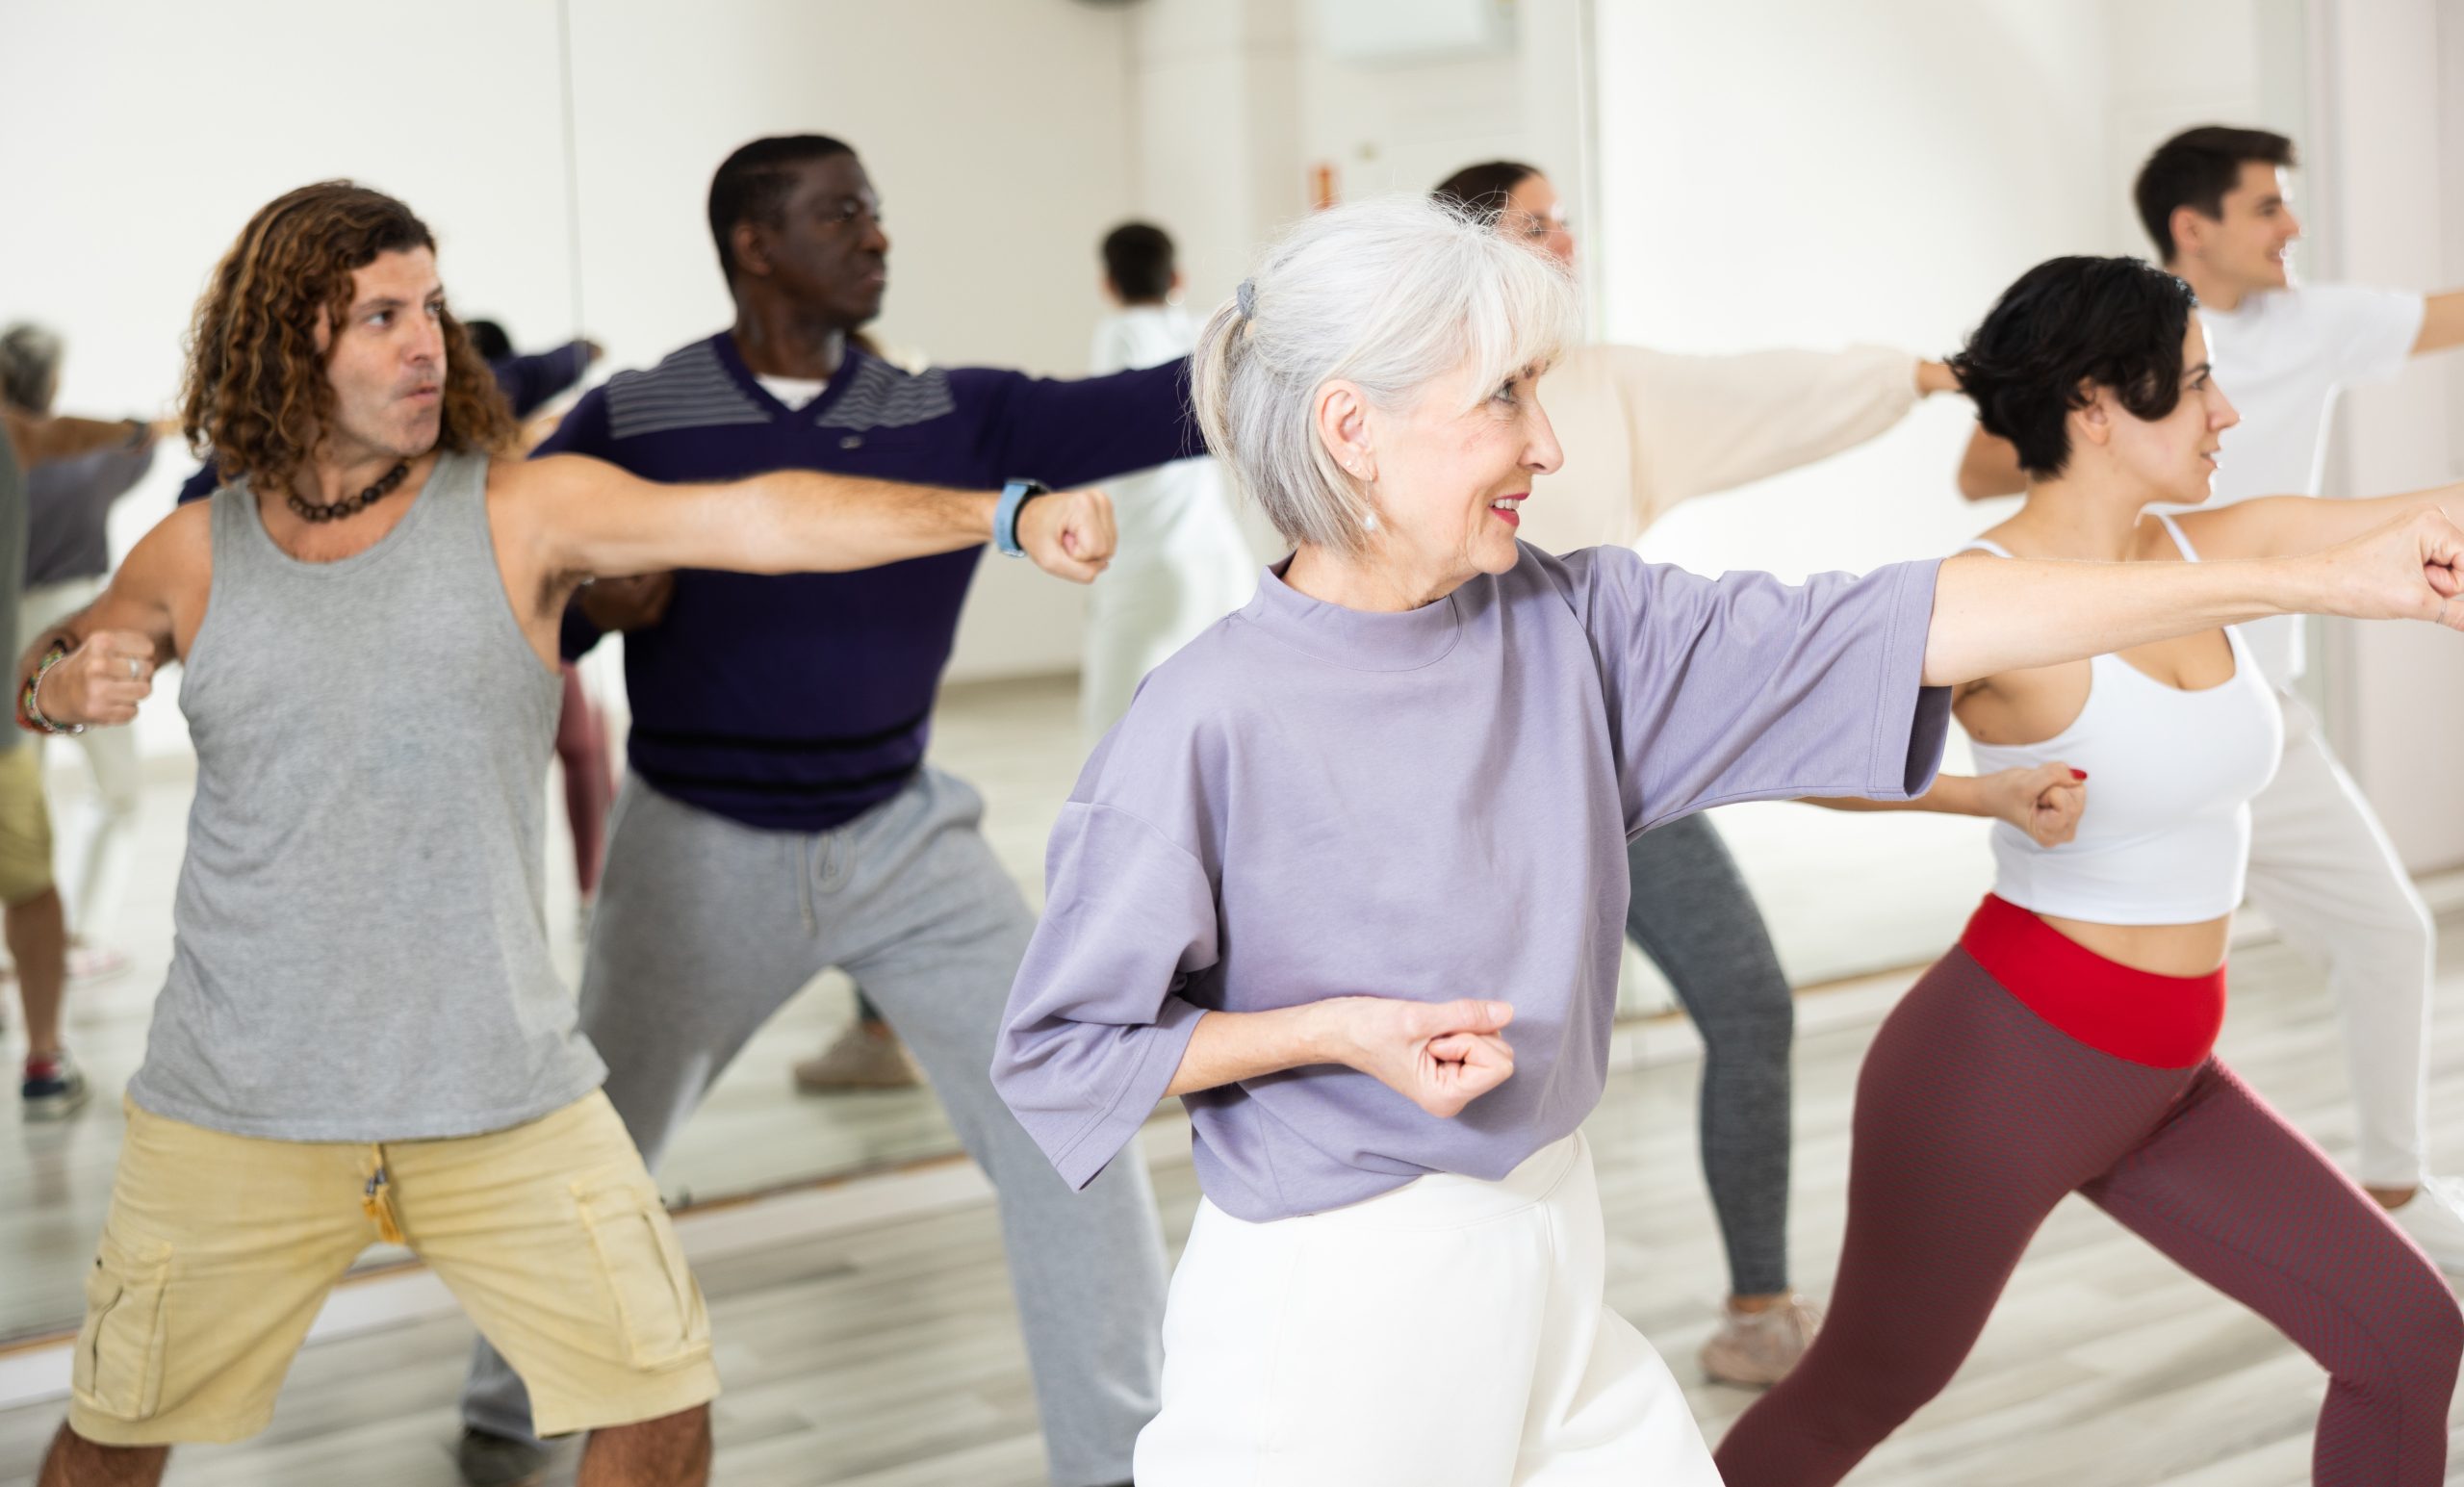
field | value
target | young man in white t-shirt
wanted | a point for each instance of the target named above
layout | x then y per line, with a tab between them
2321	868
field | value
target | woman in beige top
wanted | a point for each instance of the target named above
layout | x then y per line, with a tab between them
1643	430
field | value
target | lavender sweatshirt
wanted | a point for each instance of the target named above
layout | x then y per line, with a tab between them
1311	802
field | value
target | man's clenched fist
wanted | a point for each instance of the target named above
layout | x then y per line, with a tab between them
99	682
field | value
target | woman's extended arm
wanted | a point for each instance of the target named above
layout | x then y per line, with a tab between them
2002	614
2289	525
1712	424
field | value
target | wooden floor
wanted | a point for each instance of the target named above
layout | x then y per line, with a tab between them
887	1357
1018	743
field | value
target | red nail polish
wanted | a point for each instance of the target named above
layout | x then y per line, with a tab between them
2078	774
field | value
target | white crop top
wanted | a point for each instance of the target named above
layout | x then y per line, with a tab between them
2165	836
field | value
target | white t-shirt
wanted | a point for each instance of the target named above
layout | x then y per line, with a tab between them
794	391
2282	356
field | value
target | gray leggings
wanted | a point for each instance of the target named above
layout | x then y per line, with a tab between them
705	927
1691	913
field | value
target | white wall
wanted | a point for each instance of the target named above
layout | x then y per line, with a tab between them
1239	101
1813	172
2382	157
1820	173
1817	172
136	139
1215	151
1408	125
1001	161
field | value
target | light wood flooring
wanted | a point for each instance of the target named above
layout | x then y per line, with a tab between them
887	1357
1018	743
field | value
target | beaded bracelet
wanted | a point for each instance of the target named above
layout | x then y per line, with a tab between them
28	710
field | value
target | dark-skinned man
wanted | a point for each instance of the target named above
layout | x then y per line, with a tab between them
778	817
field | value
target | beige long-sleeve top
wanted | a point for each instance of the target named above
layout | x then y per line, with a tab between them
1644	429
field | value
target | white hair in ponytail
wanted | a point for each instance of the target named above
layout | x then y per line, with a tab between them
1398	295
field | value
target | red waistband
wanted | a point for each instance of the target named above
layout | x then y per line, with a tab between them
2162	1021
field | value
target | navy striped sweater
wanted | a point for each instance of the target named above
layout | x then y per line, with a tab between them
798	703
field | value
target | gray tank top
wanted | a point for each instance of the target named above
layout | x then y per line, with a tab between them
361	950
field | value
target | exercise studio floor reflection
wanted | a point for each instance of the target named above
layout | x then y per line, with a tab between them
1019	742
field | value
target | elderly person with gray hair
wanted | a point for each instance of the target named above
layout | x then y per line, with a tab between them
68	507
1350	875
39	445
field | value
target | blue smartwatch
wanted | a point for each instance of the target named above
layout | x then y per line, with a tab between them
1004	516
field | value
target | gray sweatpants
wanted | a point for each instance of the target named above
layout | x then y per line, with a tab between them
1693	916
704	928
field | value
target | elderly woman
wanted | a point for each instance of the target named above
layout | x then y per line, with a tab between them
1350	875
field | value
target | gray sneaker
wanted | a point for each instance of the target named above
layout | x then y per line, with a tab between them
487	1459
1757	1349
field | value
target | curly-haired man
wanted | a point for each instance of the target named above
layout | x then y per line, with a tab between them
361	1037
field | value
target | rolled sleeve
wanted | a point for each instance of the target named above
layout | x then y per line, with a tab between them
1095	1026
1743	688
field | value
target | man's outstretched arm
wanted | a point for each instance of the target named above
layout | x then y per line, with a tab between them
40	441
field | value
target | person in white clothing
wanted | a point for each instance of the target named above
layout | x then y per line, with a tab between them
2216	201
1182	563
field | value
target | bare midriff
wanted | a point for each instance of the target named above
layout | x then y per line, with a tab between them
2160	949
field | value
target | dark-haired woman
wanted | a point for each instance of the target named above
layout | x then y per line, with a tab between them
2065	1044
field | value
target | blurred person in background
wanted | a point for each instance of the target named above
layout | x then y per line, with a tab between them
67	514
1645	429
33	439
1182	563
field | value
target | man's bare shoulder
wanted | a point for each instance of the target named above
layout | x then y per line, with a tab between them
175	558
187	532
552	477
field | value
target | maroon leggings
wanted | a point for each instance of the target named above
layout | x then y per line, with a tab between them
1974	1117
590	783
